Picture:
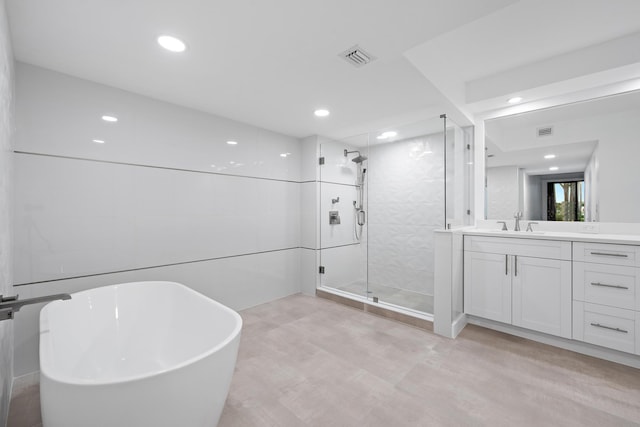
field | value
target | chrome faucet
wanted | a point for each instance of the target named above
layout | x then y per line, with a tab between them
11	305
504	225
518	217
529	228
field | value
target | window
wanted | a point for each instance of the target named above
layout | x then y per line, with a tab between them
565	201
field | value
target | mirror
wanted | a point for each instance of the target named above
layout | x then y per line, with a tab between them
576	162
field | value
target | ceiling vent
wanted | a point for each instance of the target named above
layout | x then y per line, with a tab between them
545	131
357	56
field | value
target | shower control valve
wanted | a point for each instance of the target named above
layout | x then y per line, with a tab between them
334	217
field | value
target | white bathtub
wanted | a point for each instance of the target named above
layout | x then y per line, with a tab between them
145	354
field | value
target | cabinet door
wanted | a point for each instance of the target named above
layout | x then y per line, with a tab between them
487	286
542	295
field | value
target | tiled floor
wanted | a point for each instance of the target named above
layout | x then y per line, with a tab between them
402	297
307	361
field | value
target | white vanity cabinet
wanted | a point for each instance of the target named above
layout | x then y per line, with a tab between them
542	295
523	282
487	290
606	297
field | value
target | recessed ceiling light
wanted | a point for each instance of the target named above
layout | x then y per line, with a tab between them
172	44
111	119
388	134
553	168
232	142
514	100
321	112
285	154
550	156
98	141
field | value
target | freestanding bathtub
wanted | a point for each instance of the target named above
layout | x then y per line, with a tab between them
144	354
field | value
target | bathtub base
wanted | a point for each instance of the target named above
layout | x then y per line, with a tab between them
192	396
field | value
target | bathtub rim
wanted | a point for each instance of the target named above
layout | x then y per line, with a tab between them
64	379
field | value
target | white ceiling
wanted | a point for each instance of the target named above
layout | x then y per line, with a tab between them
268	63
535	49
272	63
571	157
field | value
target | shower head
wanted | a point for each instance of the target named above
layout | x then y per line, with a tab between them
358	159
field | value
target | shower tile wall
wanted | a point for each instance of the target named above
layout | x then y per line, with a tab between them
6	167
163	198
406	205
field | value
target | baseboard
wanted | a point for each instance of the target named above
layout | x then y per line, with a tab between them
25	381
567	344
458	325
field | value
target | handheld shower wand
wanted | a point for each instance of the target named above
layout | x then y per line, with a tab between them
358	205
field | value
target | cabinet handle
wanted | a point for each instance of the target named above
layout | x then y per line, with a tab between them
606	254
598	325
515	259
506	265
604	285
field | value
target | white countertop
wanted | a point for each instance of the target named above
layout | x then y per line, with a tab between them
625	239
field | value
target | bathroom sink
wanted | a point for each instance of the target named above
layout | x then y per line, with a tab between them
520	233
511	232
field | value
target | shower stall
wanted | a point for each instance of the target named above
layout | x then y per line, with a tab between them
382	196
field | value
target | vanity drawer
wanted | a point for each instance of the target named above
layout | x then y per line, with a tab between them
606	253
611	285
605	326
552	249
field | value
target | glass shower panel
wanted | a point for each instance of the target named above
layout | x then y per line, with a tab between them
459	175
459	170
406	191
342	215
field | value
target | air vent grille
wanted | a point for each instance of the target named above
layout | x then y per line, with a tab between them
357	56
545	131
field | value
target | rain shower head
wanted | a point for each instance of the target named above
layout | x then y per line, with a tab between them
358	159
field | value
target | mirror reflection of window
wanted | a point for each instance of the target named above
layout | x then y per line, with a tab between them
565	201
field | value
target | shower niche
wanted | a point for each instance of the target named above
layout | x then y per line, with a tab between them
391	190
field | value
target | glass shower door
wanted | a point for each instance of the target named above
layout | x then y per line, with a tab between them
342	216
406	205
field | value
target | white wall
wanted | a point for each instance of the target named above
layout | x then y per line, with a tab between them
6	184
591	200
406	206
164	198
503	192
532	197
618	173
